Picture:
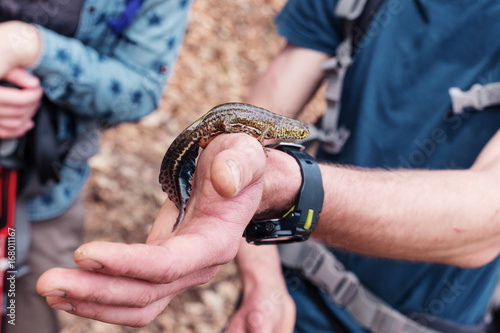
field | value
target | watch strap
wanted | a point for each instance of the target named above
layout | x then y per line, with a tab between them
299	222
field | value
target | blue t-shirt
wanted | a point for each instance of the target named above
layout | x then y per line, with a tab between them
396	105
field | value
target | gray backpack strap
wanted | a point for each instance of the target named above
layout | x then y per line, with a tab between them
350	9
354	13
335	69
478	97
332	137
320	266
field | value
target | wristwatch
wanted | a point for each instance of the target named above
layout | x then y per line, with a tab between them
299	222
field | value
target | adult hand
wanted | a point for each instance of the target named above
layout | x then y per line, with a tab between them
18	105
20	47
132	284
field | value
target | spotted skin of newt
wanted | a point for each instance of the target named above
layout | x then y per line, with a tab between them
179	162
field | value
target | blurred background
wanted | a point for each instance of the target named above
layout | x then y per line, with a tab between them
227	46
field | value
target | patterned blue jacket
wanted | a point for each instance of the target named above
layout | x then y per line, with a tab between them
105	78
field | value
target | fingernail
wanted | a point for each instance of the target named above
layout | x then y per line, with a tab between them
64	307
56	293
235	174
90	264
81	260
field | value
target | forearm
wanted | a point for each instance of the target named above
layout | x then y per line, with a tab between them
265	293
259	263
442	216
446	216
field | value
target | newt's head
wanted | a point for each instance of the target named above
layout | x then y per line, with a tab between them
302	132
293	129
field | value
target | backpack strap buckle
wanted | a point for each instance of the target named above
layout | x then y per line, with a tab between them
478	97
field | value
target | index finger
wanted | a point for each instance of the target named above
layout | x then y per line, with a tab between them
22	78
19	97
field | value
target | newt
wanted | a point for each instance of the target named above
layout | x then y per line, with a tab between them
178	165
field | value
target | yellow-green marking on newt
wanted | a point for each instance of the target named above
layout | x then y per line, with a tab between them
178	164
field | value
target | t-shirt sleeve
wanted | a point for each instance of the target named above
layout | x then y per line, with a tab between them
311	24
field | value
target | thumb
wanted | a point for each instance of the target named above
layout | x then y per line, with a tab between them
241	163
22	78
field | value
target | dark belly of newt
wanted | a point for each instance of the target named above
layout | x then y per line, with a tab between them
179	162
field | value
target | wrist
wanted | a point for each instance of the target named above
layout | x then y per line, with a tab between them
258	264
281	185
21	44
301	219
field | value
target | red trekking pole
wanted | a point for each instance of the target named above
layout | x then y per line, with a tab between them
8	187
